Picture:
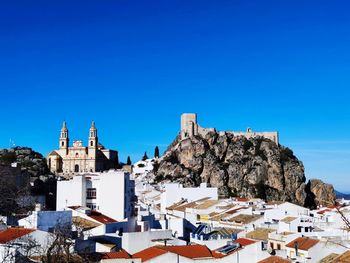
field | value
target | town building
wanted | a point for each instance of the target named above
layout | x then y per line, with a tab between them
70	160
16	242
175	192
48	221
111	193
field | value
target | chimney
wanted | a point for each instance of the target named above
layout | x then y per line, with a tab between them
296	248
37	207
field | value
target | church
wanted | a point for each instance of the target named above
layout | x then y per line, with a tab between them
81	159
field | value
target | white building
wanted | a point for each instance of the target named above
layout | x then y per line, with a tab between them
111	193
304	249
15	242
176	192
47	220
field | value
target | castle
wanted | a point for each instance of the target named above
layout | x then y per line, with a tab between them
78	158
190	127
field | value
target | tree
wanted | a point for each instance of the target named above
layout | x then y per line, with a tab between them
57	248
145	157
156	152
14	191
128	162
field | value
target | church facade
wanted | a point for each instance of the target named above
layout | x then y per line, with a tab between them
81	159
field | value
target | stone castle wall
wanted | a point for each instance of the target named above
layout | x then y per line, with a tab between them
190	127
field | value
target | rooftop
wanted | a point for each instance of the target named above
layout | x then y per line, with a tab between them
10	234
244	241
274	259
288	219
345	257
244	219
190	251
260	233
206	204
304	243
149	253
101	217
85	224
194	204
114	255
329	258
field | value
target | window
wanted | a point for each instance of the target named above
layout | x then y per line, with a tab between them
272	245
91	143
278	246
76	168
91	206
91	193
299	228
62	143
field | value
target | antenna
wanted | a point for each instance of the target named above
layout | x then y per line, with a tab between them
11	143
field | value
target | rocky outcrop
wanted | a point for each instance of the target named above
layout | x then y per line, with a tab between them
323	193
255	167
31	161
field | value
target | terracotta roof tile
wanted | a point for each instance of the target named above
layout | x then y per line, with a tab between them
190	251
74	207
193	251
274	259
242	199
324	211
10	234
149	253
112	255
304	243
244	241
101	217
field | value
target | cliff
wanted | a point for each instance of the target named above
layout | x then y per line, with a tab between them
27	159
238	166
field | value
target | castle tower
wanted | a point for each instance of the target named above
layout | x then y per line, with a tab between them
189	126
64	140
93	141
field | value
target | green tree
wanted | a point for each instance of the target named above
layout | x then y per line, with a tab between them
156	152
128	162
145	157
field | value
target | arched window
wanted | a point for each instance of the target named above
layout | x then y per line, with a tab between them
62	143
91	143
76	168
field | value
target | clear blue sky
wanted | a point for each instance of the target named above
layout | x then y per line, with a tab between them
135	66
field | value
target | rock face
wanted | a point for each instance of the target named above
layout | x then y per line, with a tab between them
322	192
255	167
32	162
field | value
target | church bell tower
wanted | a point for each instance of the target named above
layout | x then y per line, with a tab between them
93	141
64	140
